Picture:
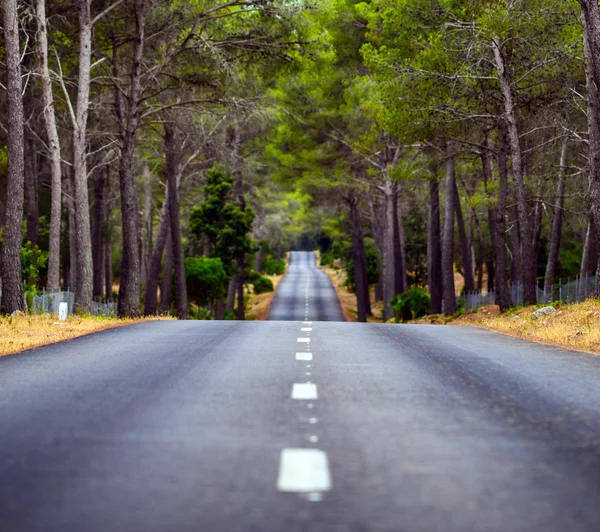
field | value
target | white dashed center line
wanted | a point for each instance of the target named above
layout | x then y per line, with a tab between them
306	329
304	390
303	340
304	356
303	470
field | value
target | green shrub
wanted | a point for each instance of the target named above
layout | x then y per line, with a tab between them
411	305
200	313
262	285
206	279
326	259
272	266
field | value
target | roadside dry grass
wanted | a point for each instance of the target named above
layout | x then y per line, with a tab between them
574	326
258	305
21	332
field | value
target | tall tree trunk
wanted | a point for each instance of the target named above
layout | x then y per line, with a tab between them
156	258
400	277
258	259
588	258
361	282
557	217
146	233
449	291
389	248
10	267
516	262
129	292
377	228
529	264
72	280
238	174
497	222
465	247
83	289
108	274
53	283
31	190
98	250
536	230
434	247
173	165
231	292
591	48
480	259
165	285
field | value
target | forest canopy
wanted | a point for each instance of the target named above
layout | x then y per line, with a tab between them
156	155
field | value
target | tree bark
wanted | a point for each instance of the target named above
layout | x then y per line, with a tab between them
588	258
12	290
129	293
434	247
98	250
400	277
591	48
146	232
361	282
516	263
239	192
497	222
53	282
31	190
557	217
83	289
377	228
449	291
231	292
173	168
165	286
529	265
389	248
72	279
156	258
465	246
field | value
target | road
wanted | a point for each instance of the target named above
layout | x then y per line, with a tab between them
210	426
305	293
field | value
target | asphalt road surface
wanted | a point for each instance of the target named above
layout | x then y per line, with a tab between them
305	293
291	426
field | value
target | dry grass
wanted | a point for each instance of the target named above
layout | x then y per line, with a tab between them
258	305
21	332
574	327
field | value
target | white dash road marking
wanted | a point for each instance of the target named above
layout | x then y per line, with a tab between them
313	439
304	390
304	356
306	329
304	471
313	420
303	340
307	322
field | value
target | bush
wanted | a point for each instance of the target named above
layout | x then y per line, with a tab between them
326	259
200	313
262	285
272	266
206	279
411	305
